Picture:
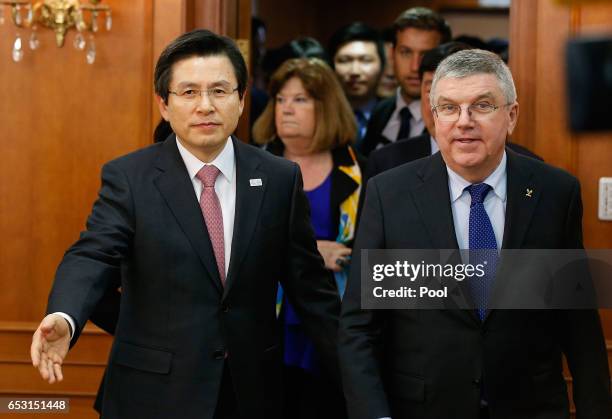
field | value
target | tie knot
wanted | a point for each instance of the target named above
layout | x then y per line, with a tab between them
405	113
207	175
478	192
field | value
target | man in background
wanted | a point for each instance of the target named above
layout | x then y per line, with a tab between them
358	57
417	30
387	86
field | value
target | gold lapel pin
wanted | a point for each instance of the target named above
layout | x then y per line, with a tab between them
528	193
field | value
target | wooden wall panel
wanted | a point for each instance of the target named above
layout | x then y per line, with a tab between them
61	120
594	151
83	369
539	31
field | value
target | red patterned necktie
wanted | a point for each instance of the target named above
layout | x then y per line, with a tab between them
211	209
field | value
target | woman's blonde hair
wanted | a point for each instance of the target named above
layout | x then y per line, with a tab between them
335	122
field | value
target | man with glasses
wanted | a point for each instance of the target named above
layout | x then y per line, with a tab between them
475	194
194	228
423	145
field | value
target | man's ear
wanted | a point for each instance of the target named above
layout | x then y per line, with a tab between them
513	116
241	106
163	107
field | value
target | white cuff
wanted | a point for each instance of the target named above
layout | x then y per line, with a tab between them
69	320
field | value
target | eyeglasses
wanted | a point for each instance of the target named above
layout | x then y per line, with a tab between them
477	111
218	93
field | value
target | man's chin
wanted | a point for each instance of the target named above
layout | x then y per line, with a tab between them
411	94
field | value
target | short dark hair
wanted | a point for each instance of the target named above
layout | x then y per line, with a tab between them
198	43
388	34
473	41
356	31
422	18
433	57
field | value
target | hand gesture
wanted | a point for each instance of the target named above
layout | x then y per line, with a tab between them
50	345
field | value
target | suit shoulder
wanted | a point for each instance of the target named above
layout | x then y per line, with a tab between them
405	149
546	173
384	106
136	158
406	173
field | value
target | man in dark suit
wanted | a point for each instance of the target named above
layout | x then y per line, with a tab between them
398	117
423	145
475	194
199	229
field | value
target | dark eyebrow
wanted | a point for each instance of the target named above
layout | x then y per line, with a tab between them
190	84
220	83
187	84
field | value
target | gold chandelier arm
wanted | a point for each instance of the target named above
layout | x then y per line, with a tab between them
60	16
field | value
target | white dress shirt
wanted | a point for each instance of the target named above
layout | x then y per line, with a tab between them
417	125
225	187
434	145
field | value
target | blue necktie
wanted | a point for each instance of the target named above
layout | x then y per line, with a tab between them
484	246
404	131
362	125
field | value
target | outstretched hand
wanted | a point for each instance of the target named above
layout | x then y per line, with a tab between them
50	345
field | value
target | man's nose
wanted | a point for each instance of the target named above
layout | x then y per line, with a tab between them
415	62
204	103
465	118
355	67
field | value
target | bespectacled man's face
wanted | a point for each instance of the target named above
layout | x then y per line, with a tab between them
204	124
473	146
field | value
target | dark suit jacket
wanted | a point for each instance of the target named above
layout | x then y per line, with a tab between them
376	124
178	326
431	364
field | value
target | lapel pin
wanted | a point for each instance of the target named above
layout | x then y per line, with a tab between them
528	193
255	182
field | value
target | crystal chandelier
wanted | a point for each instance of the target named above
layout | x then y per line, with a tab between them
60	16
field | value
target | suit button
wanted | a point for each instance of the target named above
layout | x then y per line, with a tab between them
219	354
476	382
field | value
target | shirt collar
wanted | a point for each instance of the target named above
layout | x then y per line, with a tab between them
224	161
434	145
496	180
367	108
414	106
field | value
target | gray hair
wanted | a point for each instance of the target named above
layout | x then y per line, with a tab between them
475	61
